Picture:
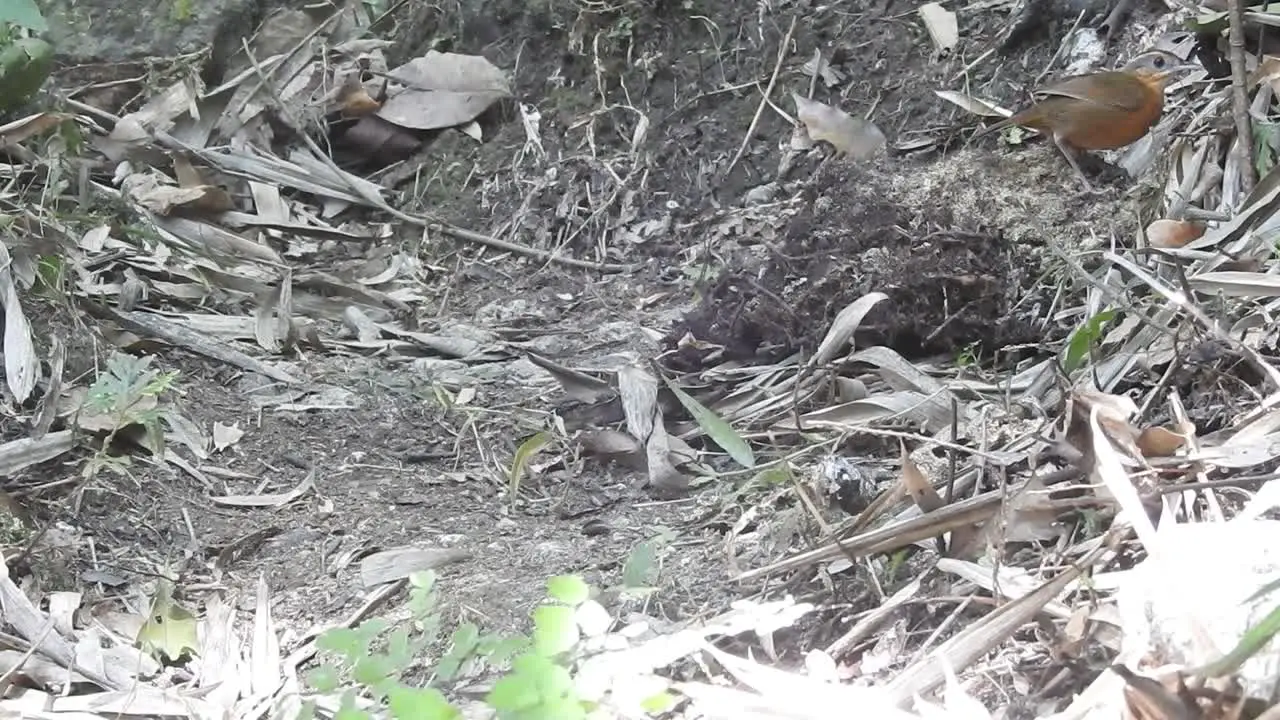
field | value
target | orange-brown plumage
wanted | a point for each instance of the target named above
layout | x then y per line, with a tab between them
1100	111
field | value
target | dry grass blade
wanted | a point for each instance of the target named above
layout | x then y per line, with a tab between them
926	411
152	326
973	642
32	625
576	384
872	620
973	511
1184	303
784	695
1110	470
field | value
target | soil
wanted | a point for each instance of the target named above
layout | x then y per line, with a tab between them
958	238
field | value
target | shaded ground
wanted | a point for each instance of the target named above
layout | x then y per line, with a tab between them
957	241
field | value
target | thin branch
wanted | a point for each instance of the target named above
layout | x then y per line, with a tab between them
764	101
1240	99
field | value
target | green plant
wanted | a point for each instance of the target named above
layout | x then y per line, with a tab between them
374	656
126	394
182	10
367	664
1084	339
969	356
25	60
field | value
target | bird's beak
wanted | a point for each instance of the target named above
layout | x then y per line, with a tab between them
1167	73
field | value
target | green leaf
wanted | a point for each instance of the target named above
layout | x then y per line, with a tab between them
307	711
24	13
1266	142
1084	338
341	640
513	693
423	580
425	704
24	66
554	629
399	650
422	595
170	629
568	589
323	679
527	450
638	571
658	704
372	670
771	477
720	432
555	682
465	641
1254	640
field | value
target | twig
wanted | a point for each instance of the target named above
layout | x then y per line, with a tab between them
777	67
1240	99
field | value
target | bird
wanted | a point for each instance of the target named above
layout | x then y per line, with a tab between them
1100	111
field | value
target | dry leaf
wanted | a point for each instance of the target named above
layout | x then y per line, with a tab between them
917	485
941	24
849	135
1168	234
1159	442
443	90
21	364
972	104
224	436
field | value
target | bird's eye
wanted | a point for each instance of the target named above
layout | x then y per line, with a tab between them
1159	62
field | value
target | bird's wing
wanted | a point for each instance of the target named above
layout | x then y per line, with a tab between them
1112	89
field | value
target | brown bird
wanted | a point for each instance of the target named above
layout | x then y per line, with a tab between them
1100	111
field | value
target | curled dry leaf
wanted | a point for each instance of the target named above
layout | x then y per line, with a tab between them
917	485
848	134
1160	442
1114	412
1168	234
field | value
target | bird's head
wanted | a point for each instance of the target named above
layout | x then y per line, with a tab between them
1157	66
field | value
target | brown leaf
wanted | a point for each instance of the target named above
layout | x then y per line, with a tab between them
917	485
1160	442
199	195
1114	412
1168	234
